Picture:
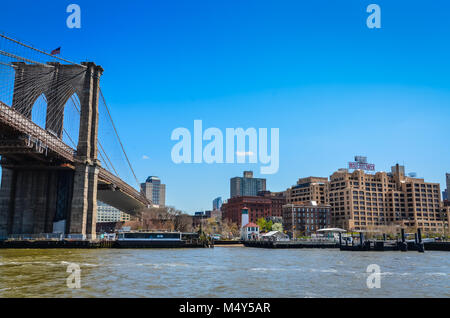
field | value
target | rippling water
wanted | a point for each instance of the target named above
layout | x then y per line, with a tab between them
222	272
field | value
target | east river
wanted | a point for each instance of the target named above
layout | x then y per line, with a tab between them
222	272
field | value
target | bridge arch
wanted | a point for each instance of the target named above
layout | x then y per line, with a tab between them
39	110
30	83
71	120
58	83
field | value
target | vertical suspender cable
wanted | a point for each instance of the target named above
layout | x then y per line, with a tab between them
118	138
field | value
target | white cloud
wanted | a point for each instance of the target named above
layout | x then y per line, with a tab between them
145	157
244	154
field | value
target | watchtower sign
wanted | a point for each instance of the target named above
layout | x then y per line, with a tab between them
361	163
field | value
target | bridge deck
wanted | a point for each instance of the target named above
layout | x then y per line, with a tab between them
37	135
116	193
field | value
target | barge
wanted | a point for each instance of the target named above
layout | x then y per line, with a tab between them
158	240
130	239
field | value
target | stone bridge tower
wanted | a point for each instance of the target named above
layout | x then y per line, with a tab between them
44	194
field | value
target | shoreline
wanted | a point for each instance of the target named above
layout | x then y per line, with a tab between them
428	246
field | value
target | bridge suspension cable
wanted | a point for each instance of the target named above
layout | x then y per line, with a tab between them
118	138
39	51
101	151
29	94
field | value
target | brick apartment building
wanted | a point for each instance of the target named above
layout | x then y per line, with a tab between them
363	201
306	217
307	190
265	204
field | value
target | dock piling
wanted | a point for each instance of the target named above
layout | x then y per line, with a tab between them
403	245
420	245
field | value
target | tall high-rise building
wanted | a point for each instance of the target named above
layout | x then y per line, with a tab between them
307	190
365	201
246	185
107	213
362	201
447	179
155	191
217	203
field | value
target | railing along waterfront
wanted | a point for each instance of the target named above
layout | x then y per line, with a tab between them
55	237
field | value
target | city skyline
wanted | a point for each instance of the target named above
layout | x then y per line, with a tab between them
327	176
332	86
225	157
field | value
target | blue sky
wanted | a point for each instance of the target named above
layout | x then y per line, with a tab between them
313	69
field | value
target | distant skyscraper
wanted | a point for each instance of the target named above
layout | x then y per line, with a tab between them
447	177
217	203
247	185
155	191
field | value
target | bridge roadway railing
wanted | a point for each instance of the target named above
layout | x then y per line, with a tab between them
11	118
15	120
107	176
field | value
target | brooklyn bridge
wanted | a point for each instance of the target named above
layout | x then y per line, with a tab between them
60	149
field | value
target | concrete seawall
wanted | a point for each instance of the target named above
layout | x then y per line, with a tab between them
43	244
429	246
270	244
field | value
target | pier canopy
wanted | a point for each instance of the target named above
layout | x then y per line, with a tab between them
275	236
332	230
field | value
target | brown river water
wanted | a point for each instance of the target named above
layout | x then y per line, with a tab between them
221	272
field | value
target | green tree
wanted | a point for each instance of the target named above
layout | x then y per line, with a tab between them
264	226
261	223
277	227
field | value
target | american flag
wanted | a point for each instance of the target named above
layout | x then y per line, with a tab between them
56	51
